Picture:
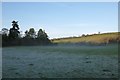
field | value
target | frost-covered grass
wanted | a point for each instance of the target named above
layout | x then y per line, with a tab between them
60	62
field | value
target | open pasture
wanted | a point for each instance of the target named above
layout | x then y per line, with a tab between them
60	61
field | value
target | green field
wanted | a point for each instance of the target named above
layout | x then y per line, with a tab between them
60	61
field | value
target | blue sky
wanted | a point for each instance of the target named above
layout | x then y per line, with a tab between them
62	19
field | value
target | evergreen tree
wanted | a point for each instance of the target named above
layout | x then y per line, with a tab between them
31	33
42	35
26	34
14	31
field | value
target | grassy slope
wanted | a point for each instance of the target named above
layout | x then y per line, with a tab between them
96	38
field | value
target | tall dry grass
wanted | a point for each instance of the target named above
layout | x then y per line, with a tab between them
94	38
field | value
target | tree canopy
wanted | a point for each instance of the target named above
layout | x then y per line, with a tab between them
10	37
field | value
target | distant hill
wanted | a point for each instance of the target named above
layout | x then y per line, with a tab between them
112	37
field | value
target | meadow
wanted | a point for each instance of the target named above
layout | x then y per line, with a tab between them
60	61
102	38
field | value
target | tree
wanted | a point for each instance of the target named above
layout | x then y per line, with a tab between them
42	35
5	31
13	37
98	32
31	33
14	30
4	34
83	35
26	34
21	34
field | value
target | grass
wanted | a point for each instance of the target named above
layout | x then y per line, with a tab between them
60	61
92	50
89	50
95	38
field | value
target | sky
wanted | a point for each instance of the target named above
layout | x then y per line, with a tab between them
60	0
62	19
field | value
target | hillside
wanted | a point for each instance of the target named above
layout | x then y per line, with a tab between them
93	38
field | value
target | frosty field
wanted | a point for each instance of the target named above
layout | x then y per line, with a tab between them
60	61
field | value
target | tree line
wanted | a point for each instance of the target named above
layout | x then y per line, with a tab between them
13	37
